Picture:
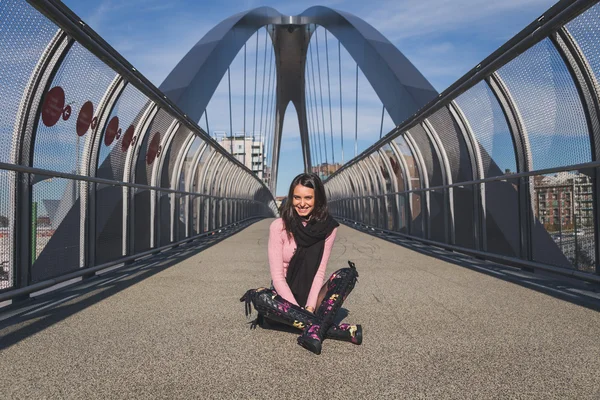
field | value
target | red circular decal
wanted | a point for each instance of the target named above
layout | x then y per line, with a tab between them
127	138
54	104
153	148
111	131
84	120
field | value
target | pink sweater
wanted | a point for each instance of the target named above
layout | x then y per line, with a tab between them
281	250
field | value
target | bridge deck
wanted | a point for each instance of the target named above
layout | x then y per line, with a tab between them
173	328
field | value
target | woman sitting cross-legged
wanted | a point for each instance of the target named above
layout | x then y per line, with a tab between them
300	243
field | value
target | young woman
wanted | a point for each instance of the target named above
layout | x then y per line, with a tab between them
300	243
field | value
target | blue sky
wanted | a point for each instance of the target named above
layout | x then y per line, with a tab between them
443	39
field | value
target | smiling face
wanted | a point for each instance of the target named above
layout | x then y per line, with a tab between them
303	200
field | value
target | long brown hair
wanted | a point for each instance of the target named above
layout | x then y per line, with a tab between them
319	212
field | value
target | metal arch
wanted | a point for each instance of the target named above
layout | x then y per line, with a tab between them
105	107
155	176
189	185
215	202
24	132
424	178
87	194
587	88
208	200
402	89
143	126
446	179
382	192
233	192
366	199
376	175
477	173
407	182
200	185
407	186
394	188
518	133
174	183
195	78
369	182
226	174
355	201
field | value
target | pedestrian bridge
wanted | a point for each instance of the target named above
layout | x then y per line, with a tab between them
437	324
129	229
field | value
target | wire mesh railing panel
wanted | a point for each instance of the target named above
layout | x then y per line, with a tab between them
416	198
180	216
109	223
6	230
165	214
24	36
488	125
464	216
171	155
77	212
502	217
438	214
549	104
396	168
119	131
186	169
56	227
69	112
141	219
150	148
586	31
196	202
563	233
429	156
454	145
196	184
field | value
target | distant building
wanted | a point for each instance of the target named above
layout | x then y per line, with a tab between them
563	201
325	170
248	151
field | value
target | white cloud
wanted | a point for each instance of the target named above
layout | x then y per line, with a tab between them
409	19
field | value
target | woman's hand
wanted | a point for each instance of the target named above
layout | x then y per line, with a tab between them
310	309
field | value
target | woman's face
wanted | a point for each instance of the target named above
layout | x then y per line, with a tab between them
303	200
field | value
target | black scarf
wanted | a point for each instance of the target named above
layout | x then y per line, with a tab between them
310	242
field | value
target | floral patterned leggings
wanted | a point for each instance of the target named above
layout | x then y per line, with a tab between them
319	325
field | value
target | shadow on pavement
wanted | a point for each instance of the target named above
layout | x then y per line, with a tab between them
584	294
26	318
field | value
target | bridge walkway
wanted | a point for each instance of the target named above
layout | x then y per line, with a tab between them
436	325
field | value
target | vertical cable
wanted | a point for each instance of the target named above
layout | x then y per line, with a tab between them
245	104
273	106
312	66
329	97
230	114
268	105
206	118
341	113
356	117
321	93
255	81
260	131
381	128
313	151
314	140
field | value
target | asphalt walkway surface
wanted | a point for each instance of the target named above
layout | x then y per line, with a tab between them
436	325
